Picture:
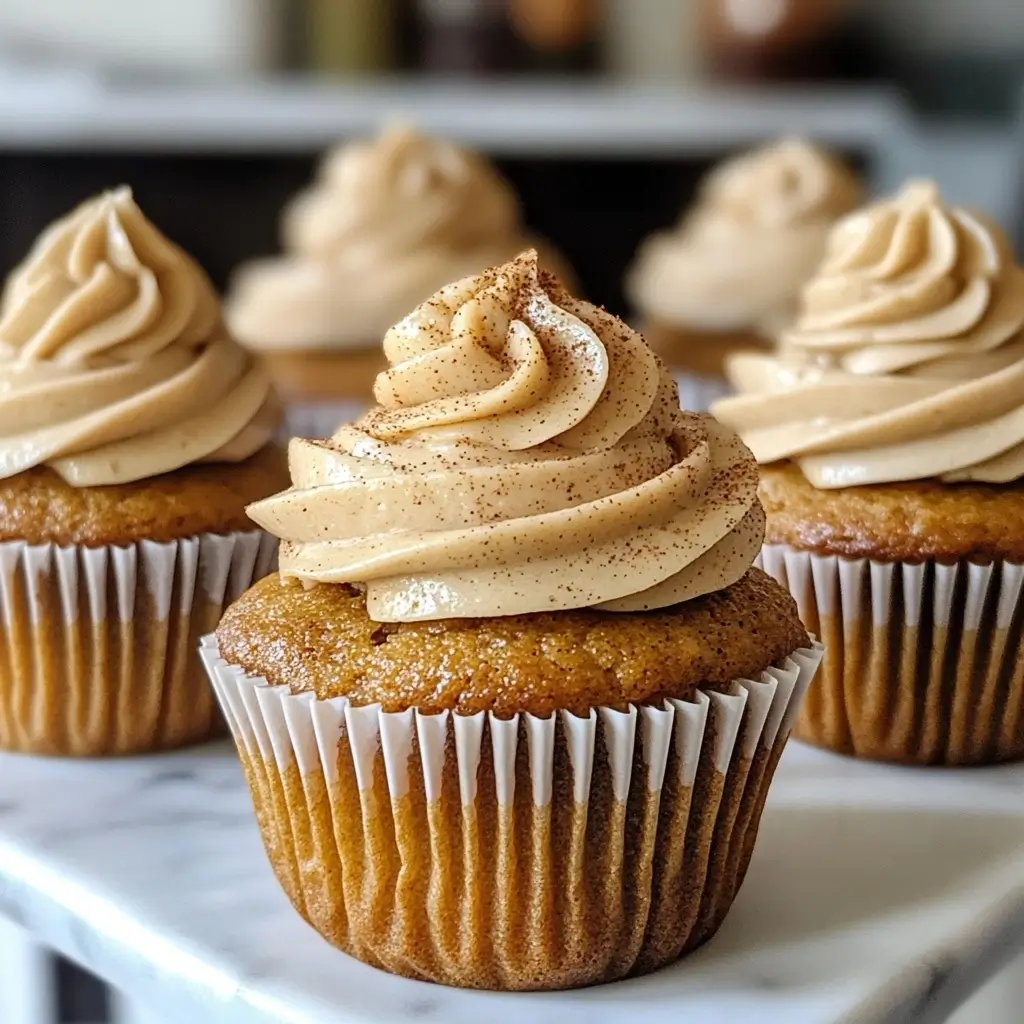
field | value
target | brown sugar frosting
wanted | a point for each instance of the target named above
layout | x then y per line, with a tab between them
388	222
114	362
907	361
757	233
527	454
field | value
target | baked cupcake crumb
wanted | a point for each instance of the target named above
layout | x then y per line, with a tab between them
39	507
321	640
906	522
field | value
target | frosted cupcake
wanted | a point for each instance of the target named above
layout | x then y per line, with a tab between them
510	717
891	430
133	432
729	277
387	223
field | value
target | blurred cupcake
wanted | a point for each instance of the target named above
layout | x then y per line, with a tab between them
133	432
729	276
510	720
892	432
388	222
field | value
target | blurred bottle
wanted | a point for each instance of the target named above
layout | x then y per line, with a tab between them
557	35
775	39
653	40
187	37
464	37
351	35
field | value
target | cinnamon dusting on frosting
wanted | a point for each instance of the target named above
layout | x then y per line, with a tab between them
527	454
907	360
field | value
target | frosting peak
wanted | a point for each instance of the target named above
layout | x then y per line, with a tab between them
399	189
504	359
114	363
788	183
527	454
758	230
907	359
387	222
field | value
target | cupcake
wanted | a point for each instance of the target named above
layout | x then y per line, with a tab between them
510	715
892	437
730	275
387	223
133	433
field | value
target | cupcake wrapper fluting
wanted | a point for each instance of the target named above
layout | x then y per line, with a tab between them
97	650
528	853
924	661
698	391
319	419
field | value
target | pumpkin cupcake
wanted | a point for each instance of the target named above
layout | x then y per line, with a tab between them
511	713
730	275
892	436
133	432
388	222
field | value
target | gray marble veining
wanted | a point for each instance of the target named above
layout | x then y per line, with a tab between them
873	892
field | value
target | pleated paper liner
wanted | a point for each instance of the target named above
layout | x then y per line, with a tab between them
924	662
527	853
97	650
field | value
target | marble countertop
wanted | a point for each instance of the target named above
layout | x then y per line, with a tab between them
876	894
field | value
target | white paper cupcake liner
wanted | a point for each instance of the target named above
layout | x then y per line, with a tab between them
513	854
697	392
318	419
924	661
97	650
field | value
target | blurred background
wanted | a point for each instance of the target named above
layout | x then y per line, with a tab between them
602	113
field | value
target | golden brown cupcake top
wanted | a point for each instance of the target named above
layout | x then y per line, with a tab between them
322	641
907	361
38	507
388	222
922	520
114	362
528	454
739	259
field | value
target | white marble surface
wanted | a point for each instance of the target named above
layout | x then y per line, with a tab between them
876	894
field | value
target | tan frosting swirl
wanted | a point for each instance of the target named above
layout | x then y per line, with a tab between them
527	454
114	362
739	259
389	221
907	360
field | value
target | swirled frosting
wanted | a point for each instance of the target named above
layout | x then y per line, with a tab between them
388	222
907	360
758	231
527	454
114	362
